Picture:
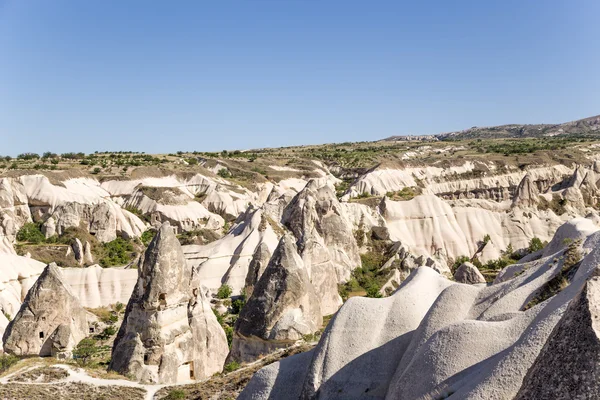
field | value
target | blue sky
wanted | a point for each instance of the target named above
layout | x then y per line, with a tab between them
212	75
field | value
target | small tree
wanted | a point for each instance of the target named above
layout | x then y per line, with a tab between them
85	351
535	244
224	291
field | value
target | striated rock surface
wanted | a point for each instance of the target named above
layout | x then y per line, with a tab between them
436	339
568	366
51	321
468	273
284	306
169	333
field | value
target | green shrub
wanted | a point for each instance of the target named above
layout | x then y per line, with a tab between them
232	366
224	173
373	291
535	244
458	262
224	292
175	394
238	304
117	252
31	233
7	361
85	351
147	236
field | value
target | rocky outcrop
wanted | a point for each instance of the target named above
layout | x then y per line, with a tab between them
227	259
50	321
399	347
284	306
105	220
257	266
169	333
325	240
468	273
87	254
527	194
568	366
78	251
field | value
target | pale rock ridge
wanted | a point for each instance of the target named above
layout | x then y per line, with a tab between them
174	205
325	240
169	332
468	273
437	339
96	287
105	220
227	259
51	321
284	306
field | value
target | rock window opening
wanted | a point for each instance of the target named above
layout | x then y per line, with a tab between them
41	335
162	298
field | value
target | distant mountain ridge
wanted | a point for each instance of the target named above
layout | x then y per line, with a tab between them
590	125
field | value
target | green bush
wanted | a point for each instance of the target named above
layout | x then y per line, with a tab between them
175	394
232	366
224	292
224	173
535	244
238	304
85	351
117	252
31	233
147	236
7	361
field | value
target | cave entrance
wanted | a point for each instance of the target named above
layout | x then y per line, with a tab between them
162	298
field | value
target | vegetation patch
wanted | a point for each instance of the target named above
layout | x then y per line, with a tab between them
117	252
571	261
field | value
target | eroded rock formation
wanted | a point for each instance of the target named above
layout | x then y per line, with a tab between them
468	273
50	321
169	332
284	306
325	240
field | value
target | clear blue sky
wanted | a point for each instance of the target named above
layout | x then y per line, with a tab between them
209	75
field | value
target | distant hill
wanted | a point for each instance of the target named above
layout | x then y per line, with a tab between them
584	126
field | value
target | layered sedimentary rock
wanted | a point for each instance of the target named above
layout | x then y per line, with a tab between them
169	333
325	240
437	339
51	321
283	307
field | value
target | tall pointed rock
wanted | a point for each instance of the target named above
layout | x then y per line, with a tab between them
169	333
51	321
325	240
283	307
260	260
527	194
